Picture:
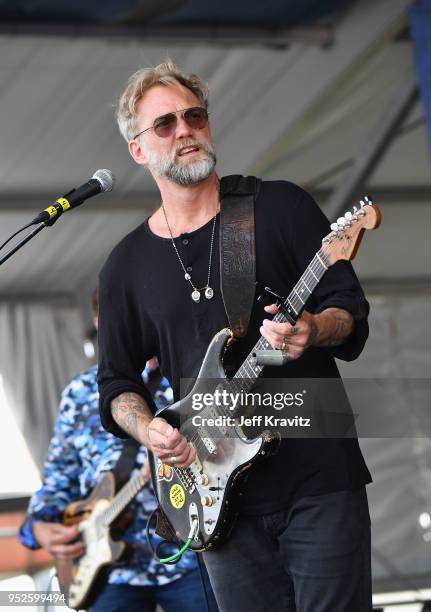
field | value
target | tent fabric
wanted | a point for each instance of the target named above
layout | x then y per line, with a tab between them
41	349
398	349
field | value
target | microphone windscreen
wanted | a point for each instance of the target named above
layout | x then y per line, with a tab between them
105	178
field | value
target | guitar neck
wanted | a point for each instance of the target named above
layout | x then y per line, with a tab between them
299	295
294	304
123	498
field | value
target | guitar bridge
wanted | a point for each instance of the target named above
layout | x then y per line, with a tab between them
186	477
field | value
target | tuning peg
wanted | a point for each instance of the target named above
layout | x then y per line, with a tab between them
362	203
348	215
355	209
341	221
334	227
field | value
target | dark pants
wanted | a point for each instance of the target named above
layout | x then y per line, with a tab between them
182	595
314	557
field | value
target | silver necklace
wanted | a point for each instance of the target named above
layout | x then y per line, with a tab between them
196	293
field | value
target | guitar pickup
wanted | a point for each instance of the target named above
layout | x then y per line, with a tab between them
196	465
216	415
209	445
207	441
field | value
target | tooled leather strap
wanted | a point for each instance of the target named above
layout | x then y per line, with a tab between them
238	249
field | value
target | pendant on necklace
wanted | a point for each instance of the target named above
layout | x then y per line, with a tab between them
209	293
196	296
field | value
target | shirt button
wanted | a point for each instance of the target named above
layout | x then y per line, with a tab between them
185	241
189	268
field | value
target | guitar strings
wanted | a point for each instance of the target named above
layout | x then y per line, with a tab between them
310	278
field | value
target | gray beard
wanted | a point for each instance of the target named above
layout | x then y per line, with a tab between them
165	165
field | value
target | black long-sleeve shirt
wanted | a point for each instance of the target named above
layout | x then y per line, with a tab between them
146	309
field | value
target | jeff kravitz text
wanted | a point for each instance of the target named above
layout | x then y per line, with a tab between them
253	421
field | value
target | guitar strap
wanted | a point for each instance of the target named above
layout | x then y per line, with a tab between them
125	463
238	249
237	267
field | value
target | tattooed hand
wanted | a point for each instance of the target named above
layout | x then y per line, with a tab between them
168	444
132	414
329	328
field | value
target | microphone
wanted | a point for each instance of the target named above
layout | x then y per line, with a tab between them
102	180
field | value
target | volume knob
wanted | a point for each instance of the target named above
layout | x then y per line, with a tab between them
207	500
202	479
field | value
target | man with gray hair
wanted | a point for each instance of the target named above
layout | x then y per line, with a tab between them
302	540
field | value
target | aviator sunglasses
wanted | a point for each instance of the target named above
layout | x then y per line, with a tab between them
164	126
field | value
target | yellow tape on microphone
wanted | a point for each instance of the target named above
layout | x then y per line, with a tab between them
52	211
65	204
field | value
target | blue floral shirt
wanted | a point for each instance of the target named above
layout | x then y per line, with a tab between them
80	452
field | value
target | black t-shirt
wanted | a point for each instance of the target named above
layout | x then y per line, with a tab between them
146	309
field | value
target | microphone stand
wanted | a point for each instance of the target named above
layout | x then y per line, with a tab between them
22	242
31	235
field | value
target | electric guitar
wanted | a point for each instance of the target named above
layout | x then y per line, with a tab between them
199	501
95	515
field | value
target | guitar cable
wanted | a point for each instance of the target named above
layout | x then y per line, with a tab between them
176	556
15	234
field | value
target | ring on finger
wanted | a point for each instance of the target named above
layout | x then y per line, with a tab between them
174	459
283	345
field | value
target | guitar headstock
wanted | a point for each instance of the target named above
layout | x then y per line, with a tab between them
346	235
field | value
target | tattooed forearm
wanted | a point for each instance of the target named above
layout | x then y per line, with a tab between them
314	331
342	327
334	327
129	410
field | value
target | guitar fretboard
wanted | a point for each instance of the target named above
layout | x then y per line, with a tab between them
123	497
294	303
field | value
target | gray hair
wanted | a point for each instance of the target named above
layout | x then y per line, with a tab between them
142	80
